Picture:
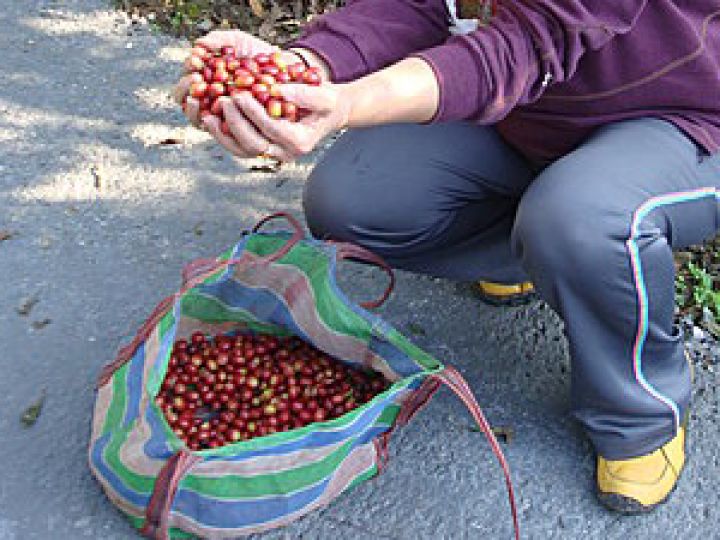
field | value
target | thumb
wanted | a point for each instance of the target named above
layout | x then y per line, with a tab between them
313	98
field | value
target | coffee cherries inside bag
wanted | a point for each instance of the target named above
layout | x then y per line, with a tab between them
226	389
218	73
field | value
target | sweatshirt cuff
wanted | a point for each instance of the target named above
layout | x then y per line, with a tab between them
463	88
342	57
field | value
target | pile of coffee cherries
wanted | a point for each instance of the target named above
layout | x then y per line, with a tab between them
224	389
217	73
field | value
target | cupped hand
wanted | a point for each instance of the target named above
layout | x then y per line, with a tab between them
244	44
253	131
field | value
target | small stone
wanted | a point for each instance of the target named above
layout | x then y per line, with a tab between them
44	242
82	523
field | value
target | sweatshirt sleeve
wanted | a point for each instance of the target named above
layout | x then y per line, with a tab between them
527	46
367	35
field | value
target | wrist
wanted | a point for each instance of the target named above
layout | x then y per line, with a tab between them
312	59
406	92
347	103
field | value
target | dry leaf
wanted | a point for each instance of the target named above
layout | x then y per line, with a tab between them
26	305
269	165
504	433
416	329
42	323
257	8
32	413
169	141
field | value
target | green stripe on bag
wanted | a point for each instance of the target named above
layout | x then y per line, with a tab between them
138	523
116	411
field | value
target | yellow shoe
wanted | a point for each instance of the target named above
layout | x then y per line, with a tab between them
638	485
500	294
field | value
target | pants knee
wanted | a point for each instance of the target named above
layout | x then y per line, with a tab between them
391	222
327	208
565	237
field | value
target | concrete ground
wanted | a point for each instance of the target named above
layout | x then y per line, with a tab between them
107	193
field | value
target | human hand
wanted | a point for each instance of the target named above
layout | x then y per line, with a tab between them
244	44
252	131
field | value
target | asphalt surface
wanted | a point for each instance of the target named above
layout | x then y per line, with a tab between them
107	193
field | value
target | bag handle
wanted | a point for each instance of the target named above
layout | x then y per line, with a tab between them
203	265
157	513
298	233
348	251
451	378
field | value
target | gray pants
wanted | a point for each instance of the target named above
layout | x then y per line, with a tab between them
593	231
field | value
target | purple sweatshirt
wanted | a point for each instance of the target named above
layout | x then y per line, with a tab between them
547	72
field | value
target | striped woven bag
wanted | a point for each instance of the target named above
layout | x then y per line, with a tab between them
280	283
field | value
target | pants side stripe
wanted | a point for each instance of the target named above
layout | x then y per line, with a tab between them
641	335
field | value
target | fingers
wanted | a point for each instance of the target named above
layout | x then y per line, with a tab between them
192	112
278	153
182	89
247	137
245	44
284	134
250	46
212	123
190	105
319	99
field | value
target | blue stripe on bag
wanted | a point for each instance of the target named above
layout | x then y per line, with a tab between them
236	513
317	439
132	496
156	446
234	295
395	358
